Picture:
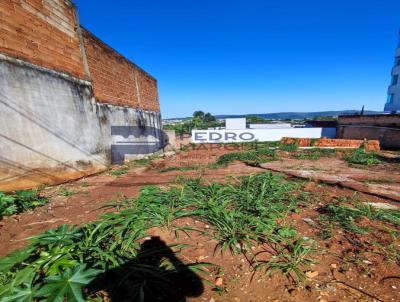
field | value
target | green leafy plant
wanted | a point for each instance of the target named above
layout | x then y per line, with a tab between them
68	284
20	202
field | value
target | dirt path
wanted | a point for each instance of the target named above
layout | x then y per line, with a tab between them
335	171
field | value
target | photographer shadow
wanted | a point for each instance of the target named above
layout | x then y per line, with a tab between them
156	274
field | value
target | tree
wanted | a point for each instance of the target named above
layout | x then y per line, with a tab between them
198	114
255	119
208	118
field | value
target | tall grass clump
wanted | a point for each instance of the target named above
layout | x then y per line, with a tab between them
245	213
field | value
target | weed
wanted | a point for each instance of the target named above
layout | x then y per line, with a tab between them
391	252
257	156
183	168
118	172
20	202
245	212
361	157
146	161
347	217
66	192
85	184
314	154
288	147
241	215
220	290
290	259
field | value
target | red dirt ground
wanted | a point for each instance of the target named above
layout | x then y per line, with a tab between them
347	267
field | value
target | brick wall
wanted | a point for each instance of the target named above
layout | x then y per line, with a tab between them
382	127
116	80
382	120
45	33
42	32
148	91
370	145
388	137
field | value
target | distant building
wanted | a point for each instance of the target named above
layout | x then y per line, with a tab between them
322	123
270	126
393	101
235	123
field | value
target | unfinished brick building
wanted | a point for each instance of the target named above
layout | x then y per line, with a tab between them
69	103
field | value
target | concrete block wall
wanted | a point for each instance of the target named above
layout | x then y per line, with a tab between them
61	92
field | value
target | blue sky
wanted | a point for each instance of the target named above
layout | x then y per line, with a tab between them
253	56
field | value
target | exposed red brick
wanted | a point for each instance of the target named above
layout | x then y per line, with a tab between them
27	35
45	33
369	145
116	80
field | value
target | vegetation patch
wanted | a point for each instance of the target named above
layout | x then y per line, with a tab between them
110	256
182	168
347	217
314	154
254	156
20	202
118	172
288	147
66	192
289	259
361	157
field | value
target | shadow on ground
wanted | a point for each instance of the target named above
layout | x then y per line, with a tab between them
156	274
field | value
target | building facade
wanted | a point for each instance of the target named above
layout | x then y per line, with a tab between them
69	104
393	100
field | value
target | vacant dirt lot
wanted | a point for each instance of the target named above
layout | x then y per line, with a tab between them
355	257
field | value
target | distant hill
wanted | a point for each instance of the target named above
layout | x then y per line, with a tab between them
299	115
289	115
